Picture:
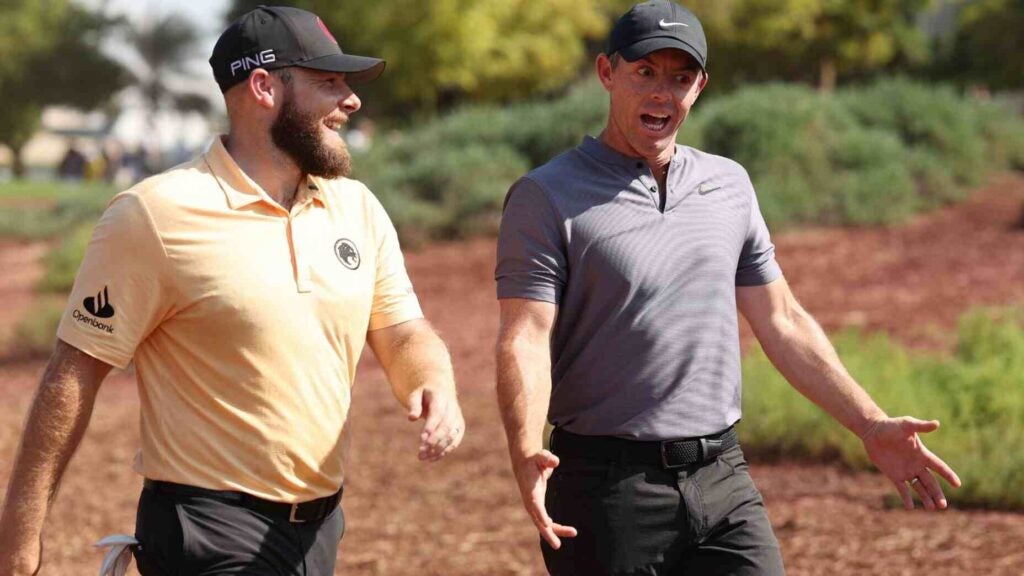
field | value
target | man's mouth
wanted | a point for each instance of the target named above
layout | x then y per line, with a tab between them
655	122
334	124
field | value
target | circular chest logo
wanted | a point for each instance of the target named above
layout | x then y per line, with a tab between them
347	253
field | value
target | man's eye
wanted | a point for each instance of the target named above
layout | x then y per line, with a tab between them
644	71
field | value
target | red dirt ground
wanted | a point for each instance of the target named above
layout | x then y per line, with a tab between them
463	516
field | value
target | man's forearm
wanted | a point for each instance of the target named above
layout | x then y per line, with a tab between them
803	354
524	392
415	358
55	425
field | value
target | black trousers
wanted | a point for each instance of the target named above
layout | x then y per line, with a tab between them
204	536
640	519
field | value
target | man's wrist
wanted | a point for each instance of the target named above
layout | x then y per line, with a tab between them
868	426
442	385
524	453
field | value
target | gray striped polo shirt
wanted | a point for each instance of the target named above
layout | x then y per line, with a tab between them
646	342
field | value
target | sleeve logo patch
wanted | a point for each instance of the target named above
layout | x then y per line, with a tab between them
98	306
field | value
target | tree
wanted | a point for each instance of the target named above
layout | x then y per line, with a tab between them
447	51
818	41
164	45
988	45
57	62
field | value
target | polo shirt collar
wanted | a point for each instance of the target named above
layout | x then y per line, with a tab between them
315	188
239	188
597	149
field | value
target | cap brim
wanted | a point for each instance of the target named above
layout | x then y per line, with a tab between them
638	50
357	69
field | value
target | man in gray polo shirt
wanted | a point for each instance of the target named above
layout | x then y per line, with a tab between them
621	264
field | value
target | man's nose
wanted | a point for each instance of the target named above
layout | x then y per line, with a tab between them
662	89
349	102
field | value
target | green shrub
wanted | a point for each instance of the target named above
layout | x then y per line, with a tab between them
51	189
874	183
32	210
935	119
1004	140
809	158
976	394
61	264
36	334
447	191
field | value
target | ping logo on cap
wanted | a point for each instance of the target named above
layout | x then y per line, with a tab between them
247	63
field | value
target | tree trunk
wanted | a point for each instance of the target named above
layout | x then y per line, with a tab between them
17	163
827	75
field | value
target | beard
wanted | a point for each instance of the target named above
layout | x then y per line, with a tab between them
297	134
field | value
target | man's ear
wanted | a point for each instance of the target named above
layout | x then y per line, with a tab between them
603	65
701	84
262	88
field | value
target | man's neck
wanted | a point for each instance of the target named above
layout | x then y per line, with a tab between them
270	168
658	164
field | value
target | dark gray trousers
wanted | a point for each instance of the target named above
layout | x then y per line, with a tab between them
638	519
202	536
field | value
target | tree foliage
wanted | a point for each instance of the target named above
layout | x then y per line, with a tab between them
821	41
56	60
988	45
447	51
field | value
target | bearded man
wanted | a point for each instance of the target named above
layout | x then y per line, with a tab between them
243	285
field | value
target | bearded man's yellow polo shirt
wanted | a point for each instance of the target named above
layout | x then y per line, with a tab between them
245	321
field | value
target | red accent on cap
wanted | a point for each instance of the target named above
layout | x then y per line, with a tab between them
326	31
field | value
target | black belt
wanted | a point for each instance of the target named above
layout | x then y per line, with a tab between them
312	511
668	454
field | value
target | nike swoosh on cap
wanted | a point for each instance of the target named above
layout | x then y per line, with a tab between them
664	24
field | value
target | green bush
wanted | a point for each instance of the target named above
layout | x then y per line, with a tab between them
447	191
873	182
1004	141
34	210
927	117
35	335
976	394
61	264
809	158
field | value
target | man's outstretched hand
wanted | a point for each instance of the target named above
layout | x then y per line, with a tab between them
894	447
532	475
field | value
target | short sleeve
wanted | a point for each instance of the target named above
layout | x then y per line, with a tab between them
757	265
394	300
531	260
120	294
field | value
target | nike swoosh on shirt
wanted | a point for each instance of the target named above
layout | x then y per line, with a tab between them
664	24
705	191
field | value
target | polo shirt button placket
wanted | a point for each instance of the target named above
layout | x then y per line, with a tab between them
303	282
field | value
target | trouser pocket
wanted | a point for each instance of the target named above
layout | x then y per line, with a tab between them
158	530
